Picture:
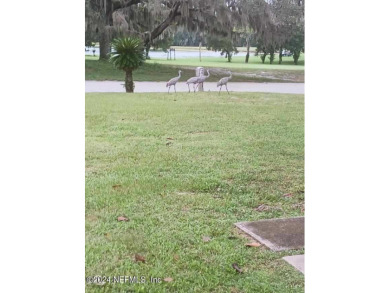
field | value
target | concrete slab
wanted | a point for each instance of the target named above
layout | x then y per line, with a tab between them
277	234
297	261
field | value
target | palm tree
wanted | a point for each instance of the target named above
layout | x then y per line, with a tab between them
128	55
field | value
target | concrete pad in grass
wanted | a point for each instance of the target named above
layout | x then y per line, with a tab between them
277	234
297	261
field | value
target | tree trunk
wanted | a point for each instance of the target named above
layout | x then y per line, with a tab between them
280	55
271	57
104	43
200	51
129	84
247	49
296	56
262	57
147	49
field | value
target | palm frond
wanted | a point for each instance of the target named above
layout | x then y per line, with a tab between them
128	53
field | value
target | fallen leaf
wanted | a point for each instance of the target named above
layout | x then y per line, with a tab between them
169	279
253	244
139	257
287	195
206	238
116	186
169	138
122	219
176	257
168	143
237	268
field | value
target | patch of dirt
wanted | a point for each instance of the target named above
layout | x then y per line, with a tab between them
300	206
91	218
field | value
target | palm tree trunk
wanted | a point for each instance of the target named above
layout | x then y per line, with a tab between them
129	84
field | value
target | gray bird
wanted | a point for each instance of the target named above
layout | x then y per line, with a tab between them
173	81
224	81
203	78
193	80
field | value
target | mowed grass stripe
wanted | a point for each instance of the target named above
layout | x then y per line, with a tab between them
160	70
226	155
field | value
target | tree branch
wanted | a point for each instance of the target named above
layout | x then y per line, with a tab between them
117	4
166	23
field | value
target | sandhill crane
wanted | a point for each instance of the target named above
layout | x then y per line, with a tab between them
203	78
193	80
173	81
224	81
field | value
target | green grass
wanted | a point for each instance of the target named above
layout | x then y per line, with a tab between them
103	70
237	63
196	48
163	70
226	155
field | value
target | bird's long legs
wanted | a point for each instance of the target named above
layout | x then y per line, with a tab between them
174	86
197	87
227	88
220	89
169	89
188	87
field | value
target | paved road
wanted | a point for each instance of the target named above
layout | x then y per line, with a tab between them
92	86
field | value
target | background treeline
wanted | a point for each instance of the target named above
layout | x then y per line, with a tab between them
272	26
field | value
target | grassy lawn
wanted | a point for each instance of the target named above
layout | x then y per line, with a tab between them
196	48
163	70
238	62
102	70
187	169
